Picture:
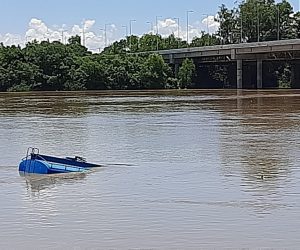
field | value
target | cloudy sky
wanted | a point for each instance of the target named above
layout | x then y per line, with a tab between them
25	20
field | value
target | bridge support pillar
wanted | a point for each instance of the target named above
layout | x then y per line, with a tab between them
295	77
259	74
239	74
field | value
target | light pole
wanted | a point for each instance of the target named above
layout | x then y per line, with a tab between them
151	32
130	32
178	30
83	34
278	22
151	25
258	23
241	19
178	23
241	16
167	35
47	35
187	26
126	29
62	35
157	31
221	28
207	24
105	33
130	26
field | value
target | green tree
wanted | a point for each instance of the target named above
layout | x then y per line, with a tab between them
155	72
228	25
76	47
76	81
94	72
53	60
148	42
186	73
256	20
284	75
205	40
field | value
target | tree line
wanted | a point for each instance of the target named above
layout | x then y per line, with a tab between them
52	66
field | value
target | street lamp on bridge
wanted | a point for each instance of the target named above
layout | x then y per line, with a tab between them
105	33
150	25
126	30
187	25
178	29
207	24
157	30
130	32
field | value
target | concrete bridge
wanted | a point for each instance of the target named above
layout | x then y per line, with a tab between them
241	54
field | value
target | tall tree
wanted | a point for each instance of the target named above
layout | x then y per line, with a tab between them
256	20
155	72
186	73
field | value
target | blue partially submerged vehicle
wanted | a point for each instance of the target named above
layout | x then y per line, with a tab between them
36	163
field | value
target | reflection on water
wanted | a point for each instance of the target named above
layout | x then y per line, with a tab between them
36	183
184	169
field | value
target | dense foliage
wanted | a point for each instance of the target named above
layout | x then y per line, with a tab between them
54	66
186	73
258	20
150	42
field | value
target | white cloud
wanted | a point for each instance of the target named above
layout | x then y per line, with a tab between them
11	39
210	24
88	24
38	30
76	29
167	27
170	26
95	40
38	25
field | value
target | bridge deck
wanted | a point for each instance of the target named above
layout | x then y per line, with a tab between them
234	51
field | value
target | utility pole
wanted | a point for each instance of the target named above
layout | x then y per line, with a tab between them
187	26
241	16
207	24
178	30
62	35
83	34
278	22
130	32
258	23
150	25
105	33
221	31
157	32
126	30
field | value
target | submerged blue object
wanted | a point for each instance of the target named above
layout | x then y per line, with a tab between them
36	163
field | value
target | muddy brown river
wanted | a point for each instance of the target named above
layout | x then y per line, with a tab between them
181	170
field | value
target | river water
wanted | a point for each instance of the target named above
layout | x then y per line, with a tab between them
181	170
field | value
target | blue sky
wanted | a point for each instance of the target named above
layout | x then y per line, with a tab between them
16	14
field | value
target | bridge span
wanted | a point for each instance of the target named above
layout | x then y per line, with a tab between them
240	55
